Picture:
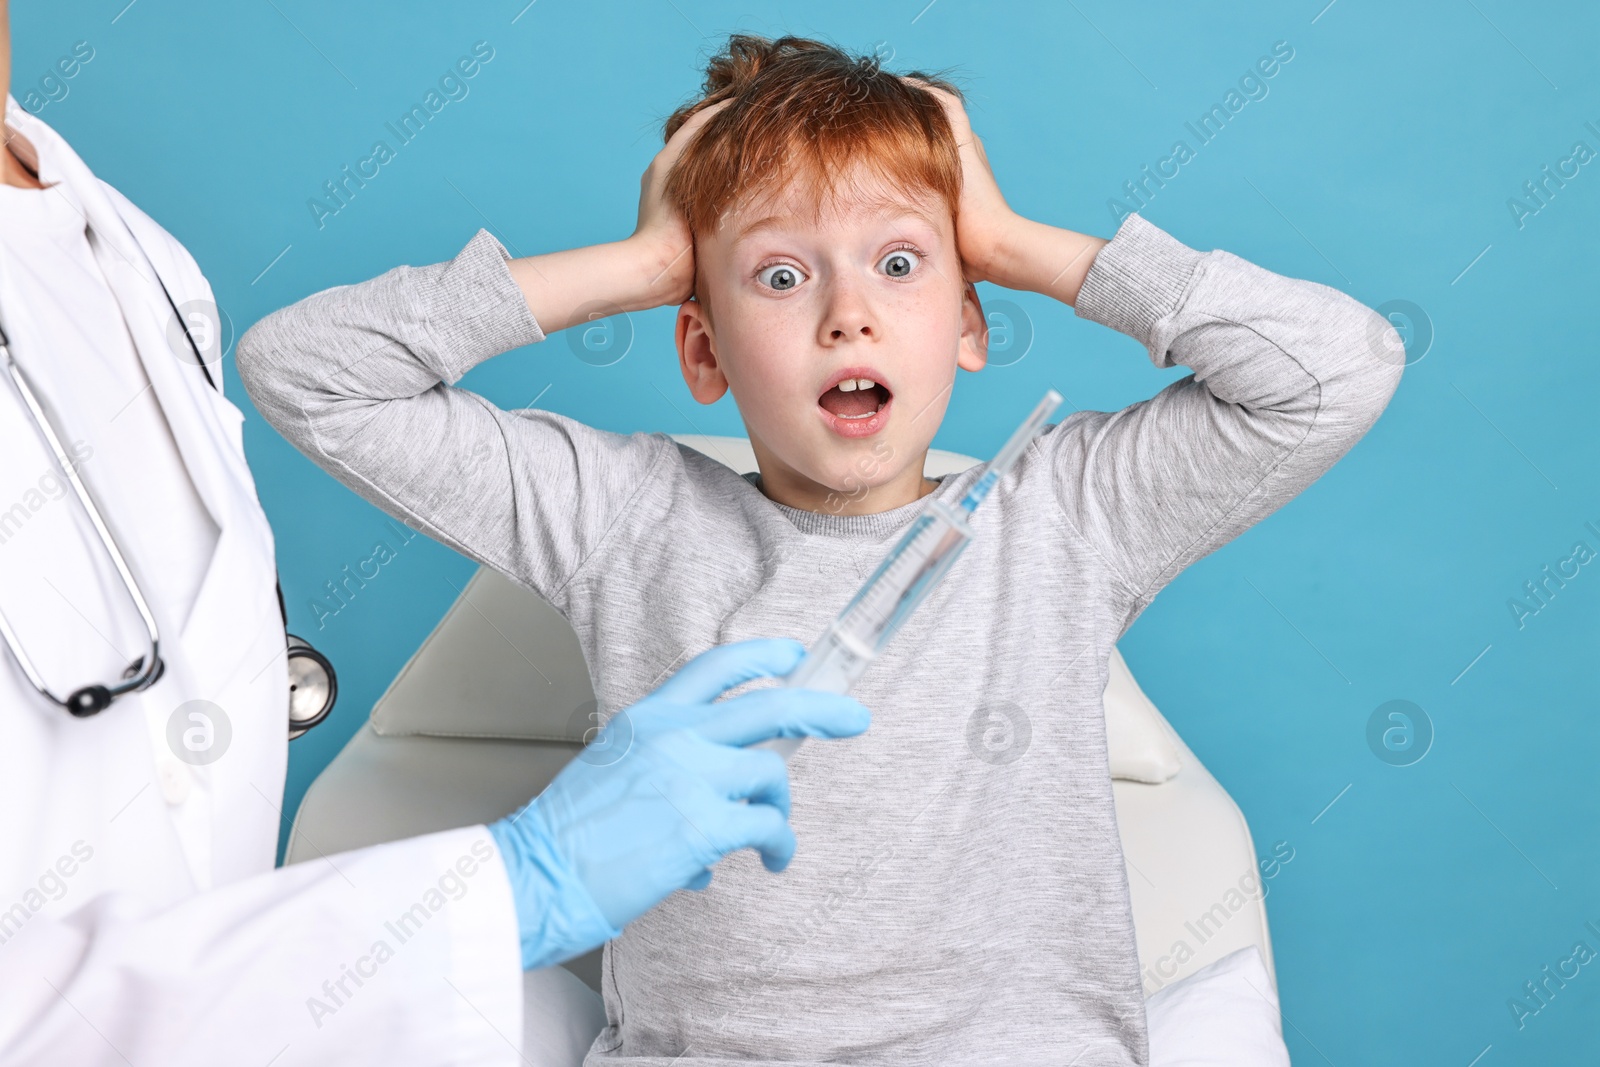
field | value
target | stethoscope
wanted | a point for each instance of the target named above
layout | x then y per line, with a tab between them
313	686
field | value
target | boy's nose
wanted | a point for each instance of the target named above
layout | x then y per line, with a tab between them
840	333
850	313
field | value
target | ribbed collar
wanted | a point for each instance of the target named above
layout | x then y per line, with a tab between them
870	527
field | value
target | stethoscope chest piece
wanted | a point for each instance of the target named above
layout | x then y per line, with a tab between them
313	687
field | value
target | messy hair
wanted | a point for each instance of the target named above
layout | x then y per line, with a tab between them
804	111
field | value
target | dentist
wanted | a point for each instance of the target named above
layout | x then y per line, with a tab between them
144	703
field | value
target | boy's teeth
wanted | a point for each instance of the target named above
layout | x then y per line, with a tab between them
852	399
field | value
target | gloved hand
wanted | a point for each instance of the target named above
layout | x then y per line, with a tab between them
654	800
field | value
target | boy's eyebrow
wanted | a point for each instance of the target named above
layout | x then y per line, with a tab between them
772	221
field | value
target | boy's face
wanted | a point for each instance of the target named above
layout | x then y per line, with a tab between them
866	292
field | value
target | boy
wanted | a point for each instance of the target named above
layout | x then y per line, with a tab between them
822	223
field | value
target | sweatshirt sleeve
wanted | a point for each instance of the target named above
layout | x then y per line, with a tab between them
1288	376
360	378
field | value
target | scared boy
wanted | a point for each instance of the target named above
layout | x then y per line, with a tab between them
820	224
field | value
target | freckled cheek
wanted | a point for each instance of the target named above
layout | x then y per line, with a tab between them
771	370
933	345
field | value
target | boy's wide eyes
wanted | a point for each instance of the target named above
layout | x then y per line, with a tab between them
782	277
779	276
901	262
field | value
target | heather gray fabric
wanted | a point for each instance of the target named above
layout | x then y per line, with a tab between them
959	894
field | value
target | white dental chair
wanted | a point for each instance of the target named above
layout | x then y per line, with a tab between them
457	740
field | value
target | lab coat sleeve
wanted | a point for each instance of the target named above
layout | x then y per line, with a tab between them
1288	376
360	378
399	954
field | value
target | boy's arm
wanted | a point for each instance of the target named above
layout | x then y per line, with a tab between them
360	378
1288	375
357	378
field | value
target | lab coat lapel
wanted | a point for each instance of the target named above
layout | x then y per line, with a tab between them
205	426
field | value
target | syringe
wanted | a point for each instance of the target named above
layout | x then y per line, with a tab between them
905	577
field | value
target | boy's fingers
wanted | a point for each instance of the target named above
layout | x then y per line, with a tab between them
951	102
709	674
697	120
706	112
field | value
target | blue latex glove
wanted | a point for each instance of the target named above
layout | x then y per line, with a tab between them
655	799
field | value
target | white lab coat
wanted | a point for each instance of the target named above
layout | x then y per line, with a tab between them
141	919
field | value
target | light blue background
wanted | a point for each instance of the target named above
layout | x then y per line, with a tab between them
1380	163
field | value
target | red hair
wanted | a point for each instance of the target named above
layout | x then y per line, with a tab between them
805	111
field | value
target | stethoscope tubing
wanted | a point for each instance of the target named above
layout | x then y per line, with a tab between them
151	665
146	670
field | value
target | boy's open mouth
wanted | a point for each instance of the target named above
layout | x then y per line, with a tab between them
855	403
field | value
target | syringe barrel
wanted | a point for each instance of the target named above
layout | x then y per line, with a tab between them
908	574
832	665
833	662
905	577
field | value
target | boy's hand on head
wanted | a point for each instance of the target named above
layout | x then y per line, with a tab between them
651	267
983	218
998	245
662	236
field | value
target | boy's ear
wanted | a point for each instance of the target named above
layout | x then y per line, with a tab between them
697	355
973	354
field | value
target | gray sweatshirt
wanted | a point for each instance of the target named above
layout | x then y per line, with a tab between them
959	895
